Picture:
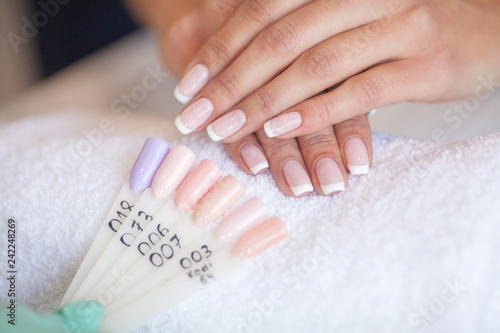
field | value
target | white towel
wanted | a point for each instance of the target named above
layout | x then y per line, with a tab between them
411	247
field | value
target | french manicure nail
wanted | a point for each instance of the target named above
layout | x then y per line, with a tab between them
283	124
191	83
329	176
254	158
297	178
172	171
197	184
260	238
222	196
194	116
227	125
151	156
248	216
357	156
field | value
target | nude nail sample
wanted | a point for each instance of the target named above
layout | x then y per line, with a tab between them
282	124
297	178
244	218
215	203
254	158
172	171
226	125
194	116
191	83
197	184
329	176
357	156
260	238
151	156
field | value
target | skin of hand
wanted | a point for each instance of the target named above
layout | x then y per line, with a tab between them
265	67
81	317
318	161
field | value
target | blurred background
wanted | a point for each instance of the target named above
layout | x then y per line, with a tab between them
40	37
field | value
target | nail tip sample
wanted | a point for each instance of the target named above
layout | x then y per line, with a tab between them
332	188
212	134
359	169
259	167
302	189
149	160
269	132
181	127
180	97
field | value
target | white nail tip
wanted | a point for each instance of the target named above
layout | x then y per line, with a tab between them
181	127
261	166
180	97
269	132
301	189
372	112
359	169
212	134
332	188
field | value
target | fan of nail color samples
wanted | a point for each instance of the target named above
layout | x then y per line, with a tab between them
154	249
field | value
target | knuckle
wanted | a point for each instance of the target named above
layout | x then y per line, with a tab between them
265	102
320	63
279	148
369	91
323	109
226	84
262	10
218	49
279	39
319	140
422	18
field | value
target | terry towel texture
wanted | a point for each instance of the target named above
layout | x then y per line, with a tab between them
411	247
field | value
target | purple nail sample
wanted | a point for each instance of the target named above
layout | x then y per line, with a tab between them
152	155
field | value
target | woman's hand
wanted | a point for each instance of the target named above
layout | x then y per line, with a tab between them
263	67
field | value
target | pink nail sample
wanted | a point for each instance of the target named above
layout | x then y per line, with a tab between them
254	158
283	124
227	125
244	218
172	171
222	196
194	116
329	176
260	238
191	83
357	156
297	178
197	184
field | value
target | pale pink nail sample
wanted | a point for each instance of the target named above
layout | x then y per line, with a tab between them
282	124
194	116
357	156
329	176
260	238
254	158
172	171
197	184
297	177
244	218
227	125
222	196
191	83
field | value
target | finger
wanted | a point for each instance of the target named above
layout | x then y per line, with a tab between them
248	154
355	141
323	66
386	84
219	50
287	165
323	159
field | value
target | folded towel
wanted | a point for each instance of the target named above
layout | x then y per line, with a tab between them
411	247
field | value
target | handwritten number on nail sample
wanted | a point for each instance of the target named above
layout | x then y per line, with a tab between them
208	253
135	223
128	236
167	252
202	272
178	244
125	205
113	224
146	216
121	215
163	231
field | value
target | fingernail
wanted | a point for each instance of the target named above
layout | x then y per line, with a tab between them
297	178
194	116
283	124
372	112
197	184
222	196
260	238
254	158
329	176
227	125
191	83
357	156
172	171
151	156
244	218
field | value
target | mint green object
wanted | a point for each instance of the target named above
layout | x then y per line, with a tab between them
78	317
